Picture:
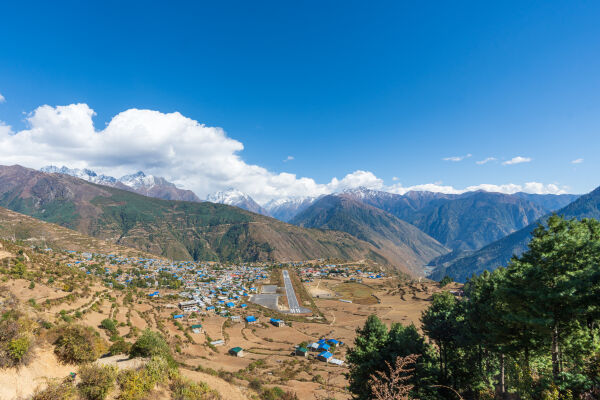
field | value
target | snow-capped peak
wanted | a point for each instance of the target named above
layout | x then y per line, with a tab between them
85	174
229	196
138	180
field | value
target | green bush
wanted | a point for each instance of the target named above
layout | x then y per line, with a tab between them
56	391
151	344
445	281
78	344
109	325
96	381
183	389
19	347
16	334
135	385
120	347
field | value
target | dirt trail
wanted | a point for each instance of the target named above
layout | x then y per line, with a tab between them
226	390
5	254
22	382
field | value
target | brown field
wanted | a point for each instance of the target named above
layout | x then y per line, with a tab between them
268	349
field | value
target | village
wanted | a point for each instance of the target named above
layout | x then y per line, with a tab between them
225	291
283	324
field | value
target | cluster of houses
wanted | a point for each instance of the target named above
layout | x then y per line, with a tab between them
351	273
323	348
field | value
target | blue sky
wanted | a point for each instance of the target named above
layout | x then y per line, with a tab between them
391	88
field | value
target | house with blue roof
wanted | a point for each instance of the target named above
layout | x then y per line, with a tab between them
251	319
277	322
325	356
324	346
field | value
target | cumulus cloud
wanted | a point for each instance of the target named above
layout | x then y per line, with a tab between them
457	158
517	160
2	99
577	161
485	161
288	158
190	154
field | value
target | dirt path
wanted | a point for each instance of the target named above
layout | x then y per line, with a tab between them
4	254
16	383
226	390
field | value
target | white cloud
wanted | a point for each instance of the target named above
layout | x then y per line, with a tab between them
577	161
190	154
395	178
182	150
510	188
2	98
485	161
288	158
517	160
457	158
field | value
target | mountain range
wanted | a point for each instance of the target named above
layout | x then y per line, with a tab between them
454	234
396	239
147	185
174	229
500	252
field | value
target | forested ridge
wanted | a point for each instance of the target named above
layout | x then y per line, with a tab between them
529	330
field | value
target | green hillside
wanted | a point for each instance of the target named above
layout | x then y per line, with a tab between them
175	229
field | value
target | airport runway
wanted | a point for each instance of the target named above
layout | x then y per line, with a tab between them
291	295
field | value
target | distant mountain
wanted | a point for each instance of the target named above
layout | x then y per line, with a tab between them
174	229
233	197
147	185
463	222
286	209
550	202
499	252
396	239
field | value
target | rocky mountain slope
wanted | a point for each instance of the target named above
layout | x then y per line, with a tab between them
396	239
236	198
175	229
464	222
147	185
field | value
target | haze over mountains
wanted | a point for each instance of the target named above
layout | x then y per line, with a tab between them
454	234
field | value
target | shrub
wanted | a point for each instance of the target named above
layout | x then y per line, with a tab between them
135	385
183	389
120	347
15	338
56	391
255	384
109	325
18	348
151	344
96	381
78	344
445	281
273	393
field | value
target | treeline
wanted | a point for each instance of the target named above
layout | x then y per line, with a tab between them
526	331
